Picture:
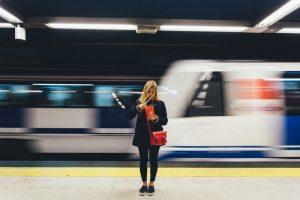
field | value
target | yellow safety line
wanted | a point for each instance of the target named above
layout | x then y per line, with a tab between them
134	171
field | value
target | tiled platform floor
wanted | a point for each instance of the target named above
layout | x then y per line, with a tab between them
173	188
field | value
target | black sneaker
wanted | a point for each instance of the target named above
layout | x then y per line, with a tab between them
150	190
143	190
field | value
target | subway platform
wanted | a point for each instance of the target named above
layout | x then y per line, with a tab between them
120	180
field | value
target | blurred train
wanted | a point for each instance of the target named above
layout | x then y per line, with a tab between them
233	110
217	111
62	114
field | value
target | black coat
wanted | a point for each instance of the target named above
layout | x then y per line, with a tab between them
141	137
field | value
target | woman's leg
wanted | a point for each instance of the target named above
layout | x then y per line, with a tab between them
154	164
143	163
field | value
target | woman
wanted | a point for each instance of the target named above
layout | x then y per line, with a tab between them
142	136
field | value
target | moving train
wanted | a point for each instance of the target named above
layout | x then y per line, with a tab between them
217	110
233	110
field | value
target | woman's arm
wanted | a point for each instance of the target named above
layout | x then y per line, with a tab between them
134	109
162	117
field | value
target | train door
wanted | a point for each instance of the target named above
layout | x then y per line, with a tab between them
208	97
292	111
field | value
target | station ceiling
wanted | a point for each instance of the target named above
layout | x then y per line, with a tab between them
52	50
251	10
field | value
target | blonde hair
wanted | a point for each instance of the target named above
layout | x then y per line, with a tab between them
144	96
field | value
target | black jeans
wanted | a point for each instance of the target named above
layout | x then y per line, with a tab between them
153	151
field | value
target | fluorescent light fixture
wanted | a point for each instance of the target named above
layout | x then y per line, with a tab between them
6	25
203	28
8	16
281	12
92	26
289	30
150	29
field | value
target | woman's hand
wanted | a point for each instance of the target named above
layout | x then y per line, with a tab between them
152	118
142	106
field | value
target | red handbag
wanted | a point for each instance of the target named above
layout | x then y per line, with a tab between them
157	138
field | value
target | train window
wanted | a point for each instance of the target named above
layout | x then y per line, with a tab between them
103	96
69	95
292	92
43	95
116	95
62	95
208	97
14	95
4	95
129	94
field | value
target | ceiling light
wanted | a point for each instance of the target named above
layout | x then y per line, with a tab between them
203	28
281	12
150	29
289	30
6	25
20	33
92	26
8	16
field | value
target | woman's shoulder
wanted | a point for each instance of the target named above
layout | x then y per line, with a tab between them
160	102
